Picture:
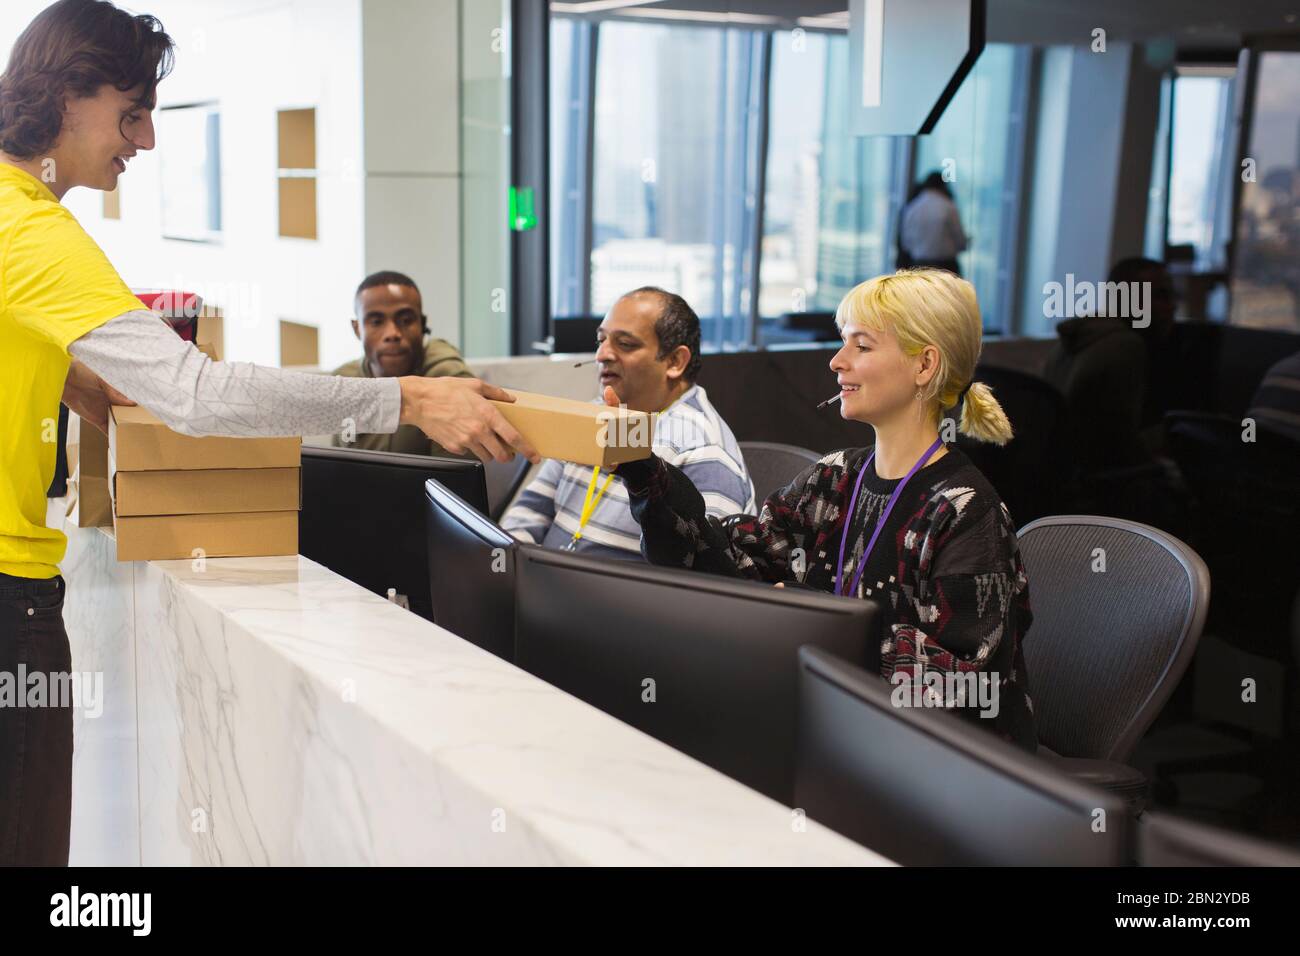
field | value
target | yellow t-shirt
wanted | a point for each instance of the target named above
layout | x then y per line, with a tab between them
55	286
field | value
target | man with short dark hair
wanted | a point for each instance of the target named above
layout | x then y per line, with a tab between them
393	329
648	353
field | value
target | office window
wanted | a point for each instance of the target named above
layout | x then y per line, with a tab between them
566	296
1154	239
980	141
674	181
830	197
190	161
1202	150
572	43
1266	277
659	175
656	147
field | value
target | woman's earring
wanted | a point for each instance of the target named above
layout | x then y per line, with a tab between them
919	396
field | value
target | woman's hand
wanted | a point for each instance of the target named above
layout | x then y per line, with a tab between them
89	396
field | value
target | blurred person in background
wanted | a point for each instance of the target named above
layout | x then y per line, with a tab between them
930	232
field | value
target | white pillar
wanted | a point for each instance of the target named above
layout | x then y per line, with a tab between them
411	122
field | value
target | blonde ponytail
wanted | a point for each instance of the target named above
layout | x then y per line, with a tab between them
934	307
982	418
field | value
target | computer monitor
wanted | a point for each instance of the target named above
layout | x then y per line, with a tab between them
471	572
704	663
363	515
927	788
1164	840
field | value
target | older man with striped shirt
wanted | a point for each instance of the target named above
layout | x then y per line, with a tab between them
648	353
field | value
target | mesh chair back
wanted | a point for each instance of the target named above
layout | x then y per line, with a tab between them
1118	608
772	466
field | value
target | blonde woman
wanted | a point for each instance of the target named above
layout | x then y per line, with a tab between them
926	535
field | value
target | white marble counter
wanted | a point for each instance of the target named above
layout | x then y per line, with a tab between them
267	711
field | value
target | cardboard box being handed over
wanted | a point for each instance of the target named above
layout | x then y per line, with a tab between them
581	432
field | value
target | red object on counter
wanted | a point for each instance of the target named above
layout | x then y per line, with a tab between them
179	309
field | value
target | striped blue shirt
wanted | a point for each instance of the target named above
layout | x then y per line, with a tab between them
690	435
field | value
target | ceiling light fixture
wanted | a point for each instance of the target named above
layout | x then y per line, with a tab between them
598	6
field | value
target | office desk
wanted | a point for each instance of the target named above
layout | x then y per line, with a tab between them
268	711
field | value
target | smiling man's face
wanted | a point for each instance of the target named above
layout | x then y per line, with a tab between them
100	134
391	328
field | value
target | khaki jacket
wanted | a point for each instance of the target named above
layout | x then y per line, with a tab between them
440	358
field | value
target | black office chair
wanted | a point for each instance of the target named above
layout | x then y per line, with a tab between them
471	572
575	333
814	326
503	480
925	788
1247	521
1164	840
772	466
1034	472
1107	647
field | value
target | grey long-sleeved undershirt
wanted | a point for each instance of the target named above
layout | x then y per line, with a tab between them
141	357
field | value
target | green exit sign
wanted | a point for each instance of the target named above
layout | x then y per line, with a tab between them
522	216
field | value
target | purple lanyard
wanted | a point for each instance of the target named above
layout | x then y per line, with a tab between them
853	506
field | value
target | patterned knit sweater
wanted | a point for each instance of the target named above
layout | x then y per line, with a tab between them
946	569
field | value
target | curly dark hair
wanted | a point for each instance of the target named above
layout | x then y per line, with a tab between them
72	49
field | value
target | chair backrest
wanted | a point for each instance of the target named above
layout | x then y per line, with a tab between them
1238	359
1118	609
925	788
503	480
772	466
1259	478
471	572
1164	840
1032	470
821	325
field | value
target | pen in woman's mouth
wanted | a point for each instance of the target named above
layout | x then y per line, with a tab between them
830	401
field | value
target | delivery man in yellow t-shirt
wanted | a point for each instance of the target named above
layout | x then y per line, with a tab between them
75	105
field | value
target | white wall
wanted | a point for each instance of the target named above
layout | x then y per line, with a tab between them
256	57
412	149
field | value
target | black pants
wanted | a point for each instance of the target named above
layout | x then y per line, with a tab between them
35	742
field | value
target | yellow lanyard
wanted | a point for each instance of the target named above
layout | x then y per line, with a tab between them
589	504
